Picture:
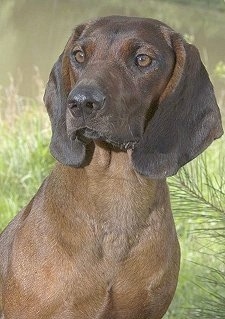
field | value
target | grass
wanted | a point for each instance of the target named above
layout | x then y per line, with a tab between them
197	195
24	155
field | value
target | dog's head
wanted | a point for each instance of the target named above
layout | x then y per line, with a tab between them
133	83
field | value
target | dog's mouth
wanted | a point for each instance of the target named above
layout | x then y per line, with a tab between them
86	135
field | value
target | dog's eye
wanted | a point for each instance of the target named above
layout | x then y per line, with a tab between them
143	60
79	56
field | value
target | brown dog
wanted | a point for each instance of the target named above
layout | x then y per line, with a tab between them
130	102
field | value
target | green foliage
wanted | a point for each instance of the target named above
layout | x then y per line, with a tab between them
198	201
24	156
219	70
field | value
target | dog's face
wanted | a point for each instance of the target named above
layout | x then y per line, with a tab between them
119	70
133	83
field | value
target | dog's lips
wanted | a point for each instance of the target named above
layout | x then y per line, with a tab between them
86	135
123	146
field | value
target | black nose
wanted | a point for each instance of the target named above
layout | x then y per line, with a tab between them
87	98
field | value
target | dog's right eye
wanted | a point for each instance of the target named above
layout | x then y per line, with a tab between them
143	60
79	56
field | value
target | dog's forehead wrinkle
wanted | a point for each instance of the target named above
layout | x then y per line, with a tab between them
103	46
114	39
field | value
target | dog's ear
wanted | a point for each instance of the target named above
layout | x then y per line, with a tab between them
186	121
63	147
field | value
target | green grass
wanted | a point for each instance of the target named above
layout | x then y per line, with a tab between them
24	155
197	195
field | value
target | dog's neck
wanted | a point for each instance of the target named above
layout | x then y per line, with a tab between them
108	168
108	179
111	162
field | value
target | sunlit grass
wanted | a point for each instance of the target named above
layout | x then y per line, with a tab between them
24	155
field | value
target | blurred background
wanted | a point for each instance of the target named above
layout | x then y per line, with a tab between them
32	36
33	33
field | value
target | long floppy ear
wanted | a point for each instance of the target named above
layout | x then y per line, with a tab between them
63	147
186	121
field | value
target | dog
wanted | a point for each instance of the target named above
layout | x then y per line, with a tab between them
130	102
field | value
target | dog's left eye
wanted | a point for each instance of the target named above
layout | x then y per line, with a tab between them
143	60
79	56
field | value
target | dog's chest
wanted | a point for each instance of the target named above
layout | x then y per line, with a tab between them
112	273
114	227
118	217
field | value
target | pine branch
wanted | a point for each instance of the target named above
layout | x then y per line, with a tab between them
190	187
196	184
